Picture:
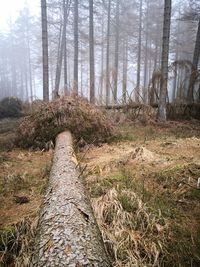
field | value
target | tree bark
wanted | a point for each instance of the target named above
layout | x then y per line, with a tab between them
125	67
146	54
66	6
116	64
76	43
195	62
139	54
162	116
67	231
102	63
108	56
45	51
91	41
62	52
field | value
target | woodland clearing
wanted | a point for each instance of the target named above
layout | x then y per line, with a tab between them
142	185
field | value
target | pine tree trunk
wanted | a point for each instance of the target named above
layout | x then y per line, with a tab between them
76	44
116	52
61	51
45	56
91	41
146	55
196	55
102	63
137	95
66	6
162	116
125	66
67	231
108	57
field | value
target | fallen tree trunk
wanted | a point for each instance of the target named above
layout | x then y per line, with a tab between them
67	232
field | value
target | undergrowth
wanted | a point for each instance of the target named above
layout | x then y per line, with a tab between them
149	222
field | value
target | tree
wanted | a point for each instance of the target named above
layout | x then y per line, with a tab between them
76	45
139	53
108	56
45	51
116	52
162	116
91	41
62	51
195	62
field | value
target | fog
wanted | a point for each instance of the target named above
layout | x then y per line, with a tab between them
125	59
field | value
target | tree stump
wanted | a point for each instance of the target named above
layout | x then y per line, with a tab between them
67	231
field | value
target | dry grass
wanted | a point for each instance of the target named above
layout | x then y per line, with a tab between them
133	234
22	173
147	206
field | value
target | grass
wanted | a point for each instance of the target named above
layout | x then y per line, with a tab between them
148	216
22	173
140	133
150	219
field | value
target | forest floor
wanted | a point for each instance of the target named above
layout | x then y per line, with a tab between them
142	185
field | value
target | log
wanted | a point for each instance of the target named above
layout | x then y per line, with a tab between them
67	231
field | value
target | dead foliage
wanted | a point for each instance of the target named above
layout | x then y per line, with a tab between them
134	235
87	123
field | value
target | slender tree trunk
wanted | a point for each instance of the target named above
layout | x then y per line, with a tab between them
102	62
45	51
30	69
146	55
137	98
82	94
162	116
91	41
58	65
125	66
116	64
65	66
66	6
108	56
62	51
196	55
26	83
76	45
175	78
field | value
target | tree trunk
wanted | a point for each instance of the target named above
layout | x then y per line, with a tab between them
116	52
67	231
146	55
66	6
91	40
196	55
45	56
75	85
61	51
139	54
164	64
102	63
125	66
108	57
